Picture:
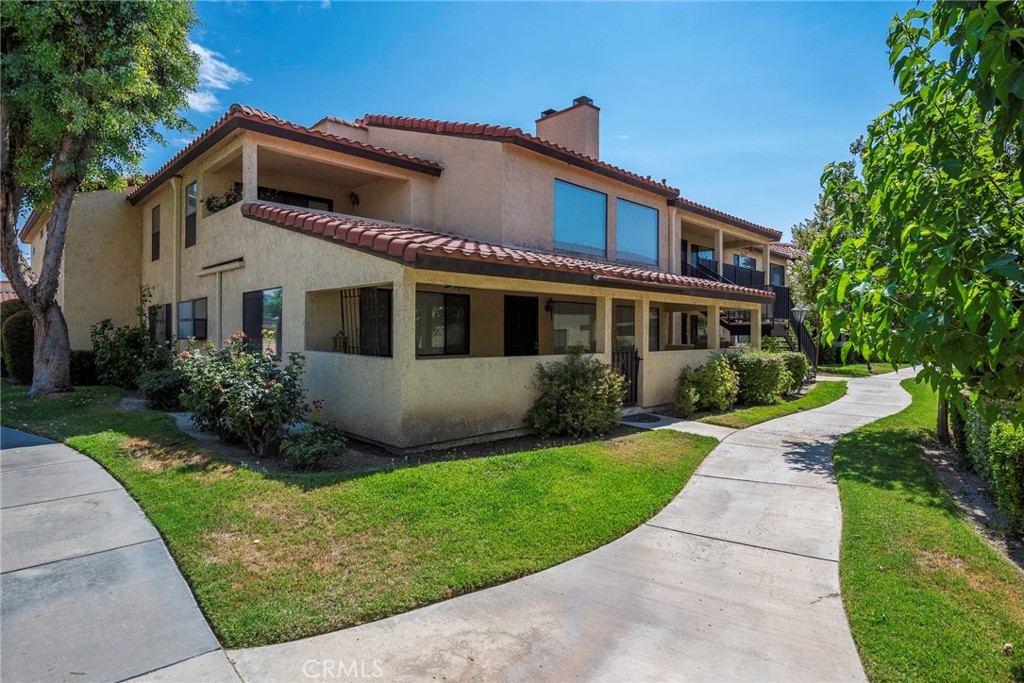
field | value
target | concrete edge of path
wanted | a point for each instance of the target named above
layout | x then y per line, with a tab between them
89	589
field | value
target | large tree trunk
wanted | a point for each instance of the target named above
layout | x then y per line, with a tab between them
942	423
51	356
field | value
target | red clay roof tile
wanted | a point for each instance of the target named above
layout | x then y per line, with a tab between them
409	243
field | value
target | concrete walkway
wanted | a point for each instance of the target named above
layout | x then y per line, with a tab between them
88	591
735	580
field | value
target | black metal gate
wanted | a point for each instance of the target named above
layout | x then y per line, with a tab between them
628	363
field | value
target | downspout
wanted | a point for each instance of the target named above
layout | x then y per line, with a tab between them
176	251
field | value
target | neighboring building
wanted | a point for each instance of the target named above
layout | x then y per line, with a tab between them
423	267
6	291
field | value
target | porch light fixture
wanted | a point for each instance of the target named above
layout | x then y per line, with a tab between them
800	314
354	199
549	306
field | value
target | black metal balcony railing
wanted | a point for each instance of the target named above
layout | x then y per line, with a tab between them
700	267
746	277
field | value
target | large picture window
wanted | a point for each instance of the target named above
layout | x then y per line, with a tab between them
190	214
442	324
581	219
636	233
154	242
778	275
261	319
574	325
192	319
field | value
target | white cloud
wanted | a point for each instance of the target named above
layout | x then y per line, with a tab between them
214	74
325	4
621	137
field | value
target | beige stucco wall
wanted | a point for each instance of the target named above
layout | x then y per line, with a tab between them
661	374
102	260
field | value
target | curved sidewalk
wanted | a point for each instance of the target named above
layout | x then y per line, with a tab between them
736	579
88	591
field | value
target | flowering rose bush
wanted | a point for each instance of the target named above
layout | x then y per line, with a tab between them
241	393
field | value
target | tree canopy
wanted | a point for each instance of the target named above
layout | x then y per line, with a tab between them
931	232
85	86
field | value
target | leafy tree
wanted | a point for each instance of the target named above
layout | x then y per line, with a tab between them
807	285
85	85
930	269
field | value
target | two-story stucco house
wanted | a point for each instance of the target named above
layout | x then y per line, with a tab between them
423	267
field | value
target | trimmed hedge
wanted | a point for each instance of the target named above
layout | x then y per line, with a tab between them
718	384
1006	453
7	309
763	377
18	340
579	396
995	450
797	366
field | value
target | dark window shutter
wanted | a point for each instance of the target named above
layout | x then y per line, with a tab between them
190	230
155	240
375	322
252	317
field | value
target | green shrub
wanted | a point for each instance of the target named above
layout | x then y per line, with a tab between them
688	396
306	448
774	344
1006	454
162	388
763	377
83	368
977	430
122	353
243	394
579	396
717	384
18	335
7	309
796	366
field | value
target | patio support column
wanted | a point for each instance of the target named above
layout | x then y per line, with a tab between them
767	265
403	312
719	250
714	323
603	333
643	331
755	328
250	175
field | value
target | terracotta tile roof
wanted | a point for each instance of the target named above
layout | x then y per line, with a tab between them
786	250
410	243
6	291
518	137
239	116
708	212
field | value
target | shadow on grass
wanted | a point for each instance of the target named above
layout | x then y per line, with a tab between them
890	459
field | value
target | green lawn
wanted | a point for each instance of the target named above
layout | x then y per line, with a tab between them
928	599
859	369
821	394
274	558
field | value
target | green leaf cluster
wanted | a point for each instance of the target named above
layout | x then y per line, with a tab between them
922	263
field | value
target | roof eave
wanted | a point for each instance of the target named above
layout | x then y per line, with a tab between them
238	121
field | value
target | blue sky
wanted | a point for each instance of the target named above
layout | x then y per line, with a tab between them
739	105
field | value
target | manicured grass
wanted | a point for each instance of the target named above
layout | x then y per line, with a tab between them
928	599
274	558
860	369
821	394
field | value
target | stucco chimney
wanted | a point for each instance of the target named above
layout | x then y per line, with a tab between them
576	127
